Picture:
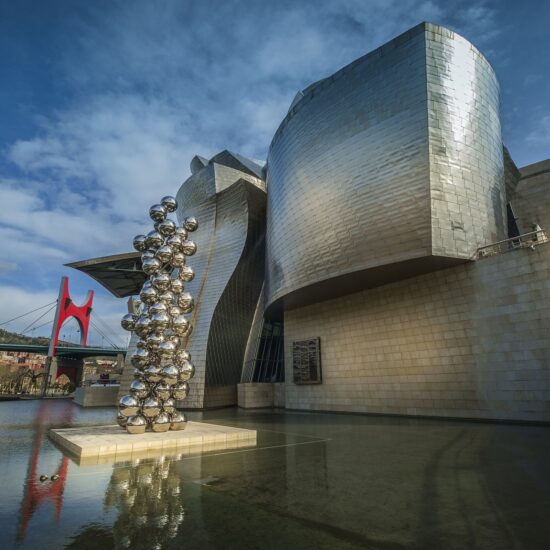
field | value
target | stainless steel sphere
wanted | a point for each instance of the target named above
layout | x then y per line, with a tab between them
182	233
179	421
190	223
189	247
128	322
169	405
143	326
162	390
176	286
137	424
174	311
186	370
170	203
140	357
158	307
175	338
154	340
167	297
180	390
161	423
141	344
182	355
186	302
138	373
157	212
151	407
164	253
149	295
151	266
161	281
178	259
147	255
180	325
167	228
139	243
154	239
128	405
152	374
186	273
166	349
170	374
121	420
175	241
139	389
160	321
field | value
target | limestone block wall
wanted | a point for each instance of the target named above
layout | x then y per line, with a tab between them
470	341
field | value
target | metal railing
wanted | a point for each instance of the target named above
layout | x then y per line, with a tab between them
527	240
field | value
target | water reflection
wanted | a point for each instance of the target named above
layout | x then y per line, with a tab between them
35	491
147	494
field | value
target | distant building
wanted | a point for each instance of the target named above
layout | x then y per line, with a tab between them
406	259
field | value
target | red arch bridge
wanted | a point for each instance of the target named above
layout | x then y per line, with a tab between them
63	357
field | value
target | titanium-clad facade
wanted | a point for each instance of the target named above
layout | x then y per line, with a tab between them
389	168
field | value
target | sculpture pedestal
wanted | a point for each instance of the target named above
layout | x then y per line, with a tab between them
112	442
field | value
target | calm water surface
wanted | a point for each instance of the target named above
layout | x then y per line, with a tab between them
313	481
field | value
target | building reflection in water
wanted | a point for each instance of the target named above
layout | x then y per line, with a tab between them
36	491
147	494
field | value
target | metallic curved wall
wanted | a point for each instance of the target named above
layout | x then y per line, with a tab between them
230	205
389	168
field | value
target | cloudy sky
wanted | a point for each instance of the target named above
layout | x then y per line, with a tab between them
104	103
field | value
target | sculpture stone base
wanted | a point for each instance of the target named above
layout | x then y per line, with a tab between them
95	442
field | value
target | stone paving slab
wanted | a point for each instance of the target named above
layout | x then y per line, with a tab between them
98	441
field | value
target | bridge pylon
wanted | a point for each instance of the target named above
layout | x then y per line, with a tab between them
66	309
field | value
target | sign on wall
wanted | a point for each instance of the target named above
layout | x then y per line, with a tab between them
306	361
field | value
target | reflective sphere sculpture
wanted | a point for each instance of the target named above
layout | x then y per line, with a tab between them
157	212
186	273
167	228
176	286
164	253
161	364
170	374
151	407
161	281
152	374
178	259
169	405
186	370
128	322
162	390
180	390
186	302
136	424
179	421
161	423
190	223
139	243
170	203
128	405
140	357
154	239
139	389
188	248
151	266
121	420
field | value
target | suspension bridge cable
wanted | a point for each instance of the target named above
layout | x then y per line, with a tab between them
28	313
104	325
42	325
38	318
104	335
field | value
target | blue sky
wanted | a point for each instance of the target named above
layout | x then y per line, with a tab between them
104	103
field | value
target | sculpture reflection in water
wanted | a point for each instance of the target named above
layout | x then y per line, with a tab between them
162	365
148	496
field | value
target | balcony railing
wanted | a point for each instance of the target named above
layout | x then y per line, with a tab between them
527	240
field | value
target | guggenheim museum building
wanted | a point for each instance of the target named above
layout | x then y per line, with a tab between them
389	257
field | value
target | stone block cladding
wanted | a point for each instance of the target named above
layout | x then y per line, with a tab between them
469	341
